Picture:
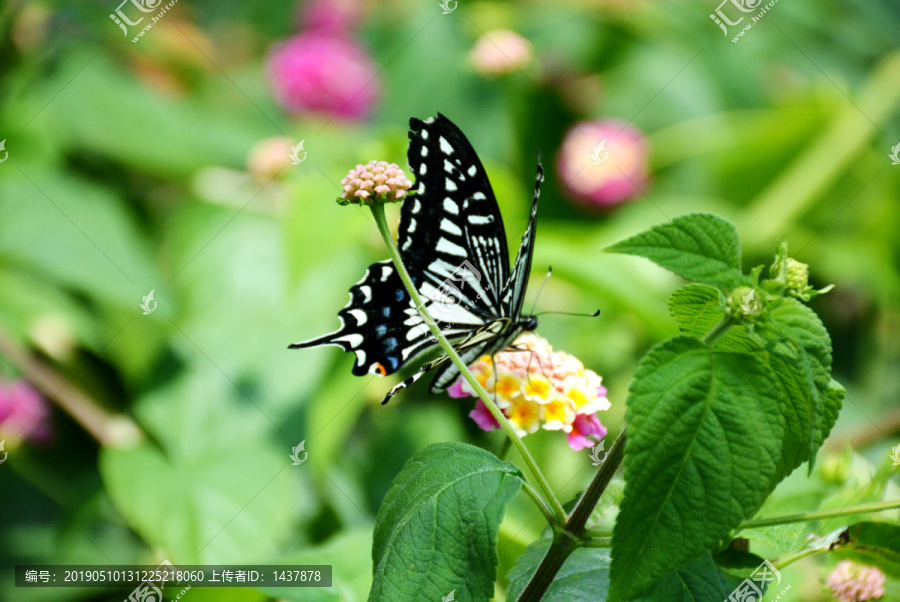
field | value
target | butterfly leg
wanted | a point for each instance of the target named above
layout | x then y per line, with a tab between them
421	372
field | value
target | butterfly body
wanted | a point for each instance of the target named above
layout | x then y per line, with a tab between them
453	245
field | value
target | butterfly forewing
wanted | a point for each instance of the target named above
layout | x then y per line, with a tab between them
451	229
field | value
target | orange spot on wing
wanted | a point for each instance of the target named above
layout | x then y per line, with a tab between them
381	370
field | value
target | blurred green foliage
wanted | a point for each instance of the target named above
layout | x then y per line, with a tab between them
127	172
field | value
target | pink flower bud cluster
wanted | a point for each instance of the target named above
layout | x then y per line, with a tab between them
377	181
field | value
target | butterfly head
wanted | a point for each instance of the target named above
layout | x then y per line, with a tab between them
529	323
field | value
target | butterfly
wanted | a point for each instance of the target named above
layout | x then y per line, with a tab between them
453	245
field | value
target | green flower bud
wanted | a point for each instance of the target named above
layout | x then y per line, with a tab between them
797	278
745	303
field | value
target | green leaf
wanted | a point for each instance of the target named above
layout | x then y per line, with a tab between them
700	579
697	308
876	543
436	531
583	576
707	436
792	332
348	555
781	537
210	487
701	247
834	400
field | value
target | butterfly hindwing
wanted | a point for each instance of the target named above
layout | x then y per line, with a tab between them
514	289
380	324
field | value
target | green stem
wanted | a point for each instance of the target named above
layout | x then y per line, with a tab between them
717	331
565	541
598	542
783	562
558	512
820	515
539	502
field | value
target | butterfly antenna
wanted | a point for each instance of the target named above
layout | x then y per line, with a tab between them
540	290
569	313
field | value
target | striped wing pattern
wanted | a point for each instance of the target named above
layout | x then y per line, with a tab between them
453	244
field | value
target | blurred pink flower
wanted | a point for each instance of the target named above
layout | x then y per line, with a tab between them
24	414
602	163
500	51
331	16
269	157
323	73
852	582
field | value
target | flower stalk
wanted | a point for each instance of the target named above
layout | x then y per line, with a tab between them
806	517
572	535
550	499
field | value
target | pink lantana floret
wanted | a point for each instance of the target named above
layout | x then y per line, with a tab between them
483	417
585	426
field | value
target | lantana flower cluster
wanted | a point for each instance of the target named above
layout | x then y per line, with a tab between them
536	387
853	582
377	181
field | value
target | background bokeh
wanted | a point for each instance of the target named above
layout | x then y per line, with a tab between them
163	164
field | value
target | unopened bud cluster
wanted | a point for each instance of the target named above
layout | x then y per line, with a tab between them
375	182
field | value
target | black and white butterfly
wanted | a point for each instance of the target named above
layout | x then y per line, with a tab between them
453	244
